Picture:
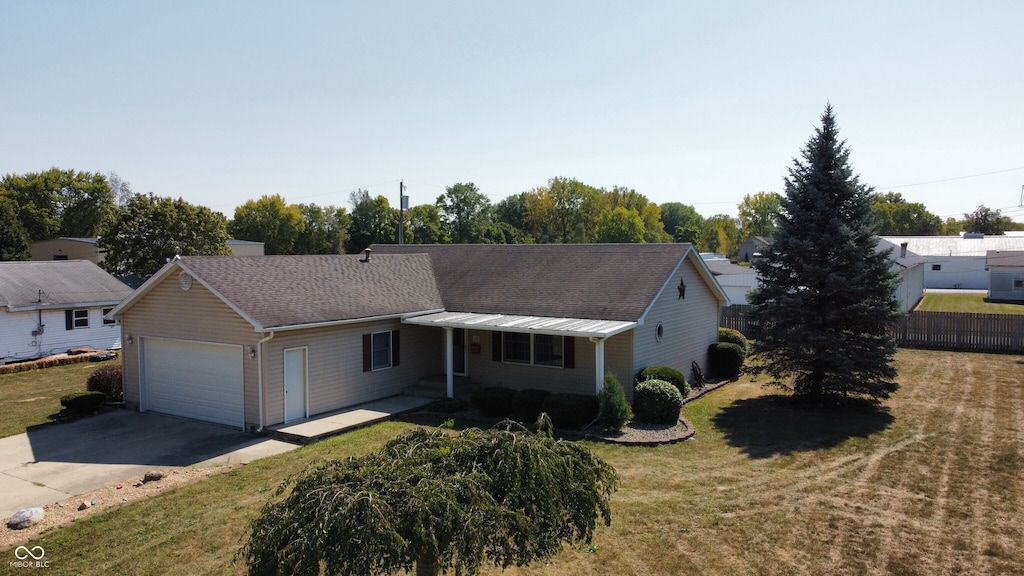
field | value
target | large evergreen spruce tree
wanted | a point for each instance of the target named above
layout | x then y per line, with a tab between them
826	295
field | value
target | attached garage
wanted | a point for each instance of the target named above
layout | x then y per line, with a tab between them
200	380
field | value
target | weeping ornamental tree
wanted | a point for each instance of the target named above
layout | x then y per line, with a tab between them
826	293
504	496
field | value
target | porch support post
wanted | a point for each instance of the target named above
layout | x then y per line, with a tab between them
449	359
598	363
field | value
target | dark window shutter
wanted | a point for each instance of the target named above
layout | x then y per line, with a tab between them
394	348
569	351
69	319
367	353
496	346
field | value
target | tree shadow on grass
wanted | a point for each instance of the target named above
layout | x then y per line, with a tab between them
773	425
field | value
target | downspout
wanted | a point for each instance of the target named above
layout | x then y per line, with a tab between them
259	375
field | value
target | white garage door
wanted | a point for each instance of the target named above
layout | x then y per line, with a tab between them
193	379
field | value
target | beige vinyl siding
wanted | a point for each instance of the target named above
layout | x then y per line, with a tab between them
484	371
167	311
690	325
335	377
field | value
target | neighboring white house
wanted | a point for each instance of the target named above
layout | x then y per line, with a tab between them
245	247
738	281
49	307
1006	275
957	262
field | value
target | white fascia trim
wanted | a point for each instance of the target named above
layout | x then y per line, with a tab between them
399	316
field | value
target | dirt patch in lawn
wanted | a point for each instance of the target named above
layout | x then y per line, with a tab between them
131	490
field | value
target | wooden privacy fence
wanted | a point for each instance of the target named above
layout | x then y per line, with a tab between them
955	331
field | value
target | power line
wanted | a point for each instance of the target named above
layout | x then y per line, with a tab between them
955	178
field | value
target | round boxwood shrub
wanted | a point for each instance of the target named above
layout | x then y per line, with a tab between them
83	402
657	402
108	381
614	409
571	411
493	400
734	336
725	359
670	375
528	404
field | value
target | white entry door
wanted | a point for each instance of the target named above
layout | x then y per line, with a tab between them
294	384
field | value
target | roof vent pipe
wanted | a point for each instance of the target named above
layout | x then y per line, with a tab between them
366	257
903	249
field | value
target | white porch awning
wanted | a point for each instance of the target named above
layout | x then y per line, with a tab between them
582	327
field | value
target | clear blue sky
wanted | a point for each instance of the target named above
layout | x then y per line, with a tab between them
700	103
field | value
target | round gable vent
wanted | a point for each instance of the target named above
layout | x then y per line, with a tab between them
185	280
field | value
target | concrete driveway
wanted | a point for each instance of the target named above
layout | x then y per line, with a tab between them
51	463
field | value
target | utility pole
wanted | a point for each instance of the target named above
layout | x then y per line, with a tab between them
403	204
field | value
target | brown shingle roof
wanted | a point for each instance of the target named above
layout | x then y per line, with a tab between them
279	291
62	282
1007	258
597	281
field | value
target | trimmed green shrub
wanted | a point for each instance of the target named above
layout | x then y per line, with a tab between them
734	336
657	402
614	410
528	404
670	375
725	359
493	401
447	405
108	381
83	402
571	411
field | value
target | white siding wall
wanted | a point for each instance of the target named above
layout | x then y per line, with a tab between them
911	287
170	312
690	326
18	343
960	272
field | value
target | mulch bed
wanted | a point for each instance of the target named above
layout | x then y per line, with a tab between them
633	434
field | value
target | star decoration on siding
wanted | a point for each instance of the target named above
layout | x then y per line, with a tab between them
682	289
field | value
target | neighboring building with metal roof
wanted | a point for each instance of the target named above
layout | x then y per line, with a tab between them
258	341
957	262
1006	275
49	307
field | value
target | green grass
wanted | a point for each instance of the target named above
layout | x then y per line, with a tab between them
973	303
32	398
930	484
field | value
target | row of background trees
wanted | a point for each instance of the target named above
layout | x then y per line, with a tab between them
141	231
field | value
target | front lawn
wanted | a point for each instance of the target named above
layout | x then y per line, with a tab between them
971	302
32	398
934	484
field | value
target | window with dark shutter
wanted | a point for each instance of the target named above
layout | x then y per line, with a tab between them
496	346
367	353
569	350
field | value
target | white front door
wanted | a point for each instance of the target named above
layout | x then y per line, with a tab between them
294	384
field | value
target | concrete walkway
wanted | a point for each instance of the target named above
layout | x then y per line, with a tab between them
323	426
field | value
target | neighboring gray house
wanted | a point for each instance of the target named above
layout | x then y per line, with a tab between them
957	262
262	340
752	247
49	307
1006	275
